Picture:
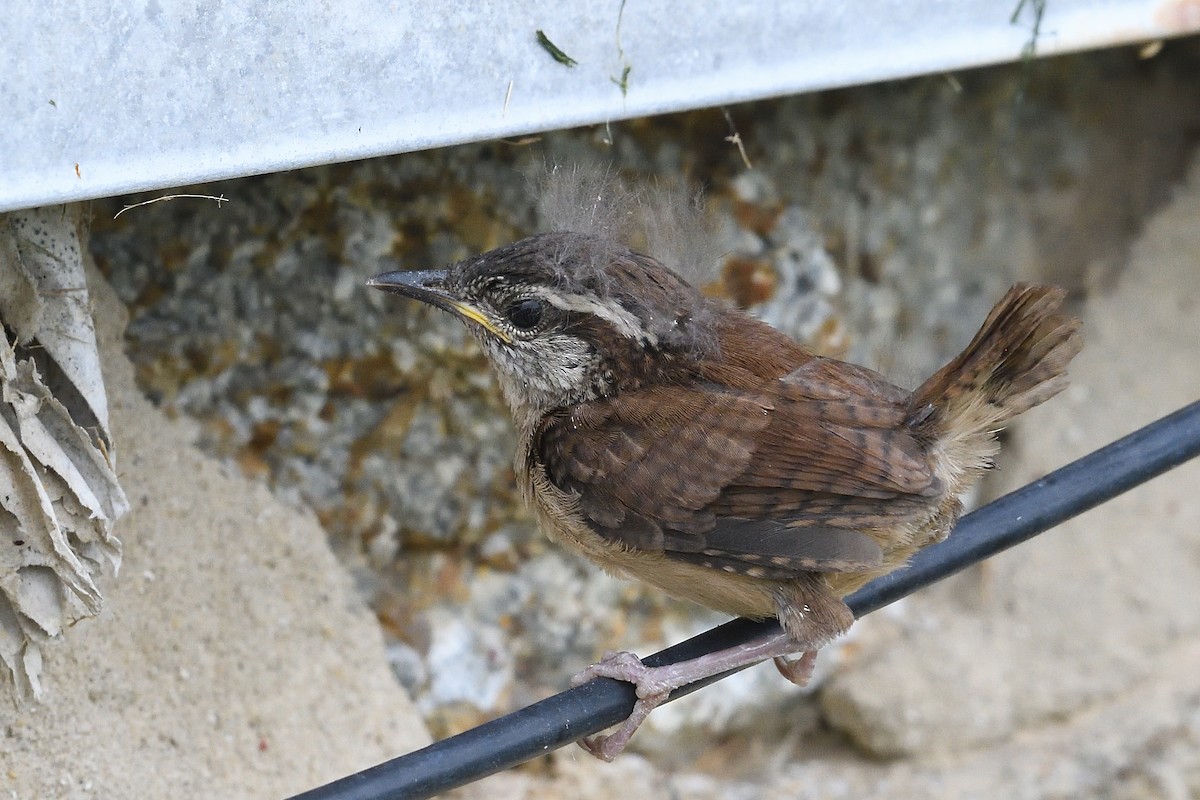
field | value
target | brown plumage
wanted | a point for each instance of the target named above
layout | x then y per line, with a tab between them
678	441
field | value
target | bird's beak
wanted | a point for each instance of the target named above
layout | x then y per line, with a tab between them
428	286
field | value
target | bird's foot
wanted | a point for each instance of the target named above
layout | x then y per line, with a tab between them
652	690
655	684
798	670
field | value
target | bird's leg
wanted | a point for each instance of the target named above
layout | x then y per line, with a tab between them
655	684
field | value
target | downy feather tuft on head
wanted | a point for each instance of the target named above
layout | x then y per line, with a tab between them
613	223
666	222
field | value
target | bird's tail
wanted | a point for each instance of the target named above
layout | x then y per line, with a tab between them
1017	360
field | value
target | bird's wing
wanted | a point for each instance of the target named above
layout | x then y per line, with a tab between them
764	484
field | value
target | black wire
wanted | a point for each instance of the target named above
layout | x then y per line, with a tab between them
599	704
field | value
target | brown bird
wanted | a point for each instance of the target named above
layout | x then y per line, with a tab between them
676	440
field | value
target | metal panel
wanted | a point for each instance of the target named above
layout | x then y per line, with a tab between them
103	98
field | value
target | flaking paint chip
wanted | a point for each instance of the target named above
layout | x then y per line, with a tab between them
59	494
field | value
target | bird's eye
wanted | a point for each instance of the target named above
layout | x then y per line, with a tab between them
525	314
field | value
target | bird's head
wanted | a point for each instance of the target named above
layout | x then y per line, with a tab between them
565	317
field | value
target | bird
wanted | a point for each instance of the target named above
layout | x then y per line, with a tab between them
674	439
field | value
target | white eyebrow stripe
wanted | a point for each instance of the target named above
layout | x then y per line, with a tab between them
621	319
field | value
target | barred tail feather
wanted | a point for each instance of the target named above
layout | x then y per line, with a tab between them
1017	360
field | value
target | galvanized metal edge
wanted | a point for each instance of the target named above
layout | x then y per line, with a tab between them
100	99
